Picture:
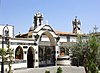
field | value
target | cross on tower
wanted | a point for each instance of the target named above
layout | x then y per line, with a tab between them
95	28
75	17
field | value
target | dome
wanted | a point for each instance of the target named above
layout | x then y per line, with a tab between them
31	28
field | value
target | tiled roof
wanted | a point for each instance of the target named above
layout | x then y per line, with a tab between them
64	33
66	44
57	32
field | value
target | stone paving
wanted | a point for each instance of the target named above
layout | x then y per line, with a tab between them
53	69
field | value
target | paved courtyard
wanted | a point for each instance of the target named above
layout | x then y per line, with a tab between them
53	69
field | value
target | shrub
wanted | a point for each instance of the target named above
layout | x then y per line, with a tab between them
47	71
59	70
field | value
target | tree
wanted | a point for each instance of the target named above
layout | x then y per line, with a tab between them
77	51
8	55
88	52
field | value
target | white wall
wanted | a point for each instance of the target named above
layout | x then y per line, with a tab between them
44	38
73	39
63	39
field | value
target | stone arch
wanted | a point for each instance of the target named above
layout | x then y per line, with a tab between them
50	36
19	53
30	57
48	56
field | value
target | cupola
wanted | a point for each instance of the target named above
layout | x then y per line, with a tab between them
38	19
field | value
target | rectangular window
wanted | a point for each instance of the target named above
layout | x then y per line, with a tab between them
68	38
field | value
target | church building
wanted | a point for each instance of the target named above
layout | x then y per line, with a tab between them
41	45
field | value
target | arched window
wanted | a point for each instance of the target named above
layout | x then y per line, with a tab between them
62	51
19	53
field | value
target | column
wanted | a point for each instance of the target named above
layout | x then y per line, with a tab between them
57	51
36	61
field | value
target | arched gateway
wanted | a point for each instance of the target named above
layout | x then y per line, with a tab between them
46	49
45	46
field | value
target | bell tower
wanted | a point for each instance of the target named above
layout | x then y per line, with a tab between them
38	19
76	25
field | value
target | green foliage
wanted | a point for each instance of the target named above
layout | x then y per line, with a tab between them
77	49
59	70
2	52
8	56
47	71
88	52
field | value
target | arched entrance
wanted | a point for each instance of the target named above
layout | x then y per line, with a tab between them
46	50
30	57
19	53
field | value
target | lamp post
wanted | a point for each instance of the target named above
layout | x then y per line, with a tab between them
6	37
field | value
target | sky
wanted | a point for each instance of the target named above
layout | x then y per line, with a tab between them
58	13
